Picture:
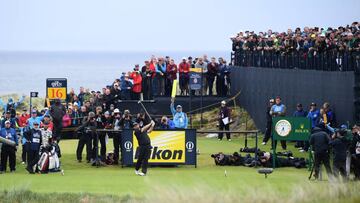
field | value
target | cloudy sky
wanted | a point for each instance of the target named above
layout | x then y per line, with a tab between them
163	25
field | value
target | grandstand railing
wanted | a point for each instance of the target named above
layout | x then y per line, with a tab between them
325	61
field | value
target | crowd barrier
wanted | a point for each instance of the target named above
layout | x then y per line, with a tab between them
326	61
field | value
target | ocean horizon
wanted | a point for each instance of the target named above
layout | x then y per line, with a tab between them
25	71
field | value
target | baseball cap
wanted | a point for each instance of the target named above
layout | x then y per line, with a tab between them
223	102
8	112
35	123
7	122
107	113
178	106
33	111
116	111
272	100
135	123
313	104
183	58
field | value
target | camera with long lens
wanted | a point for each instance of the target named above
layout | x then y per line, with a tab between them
89	129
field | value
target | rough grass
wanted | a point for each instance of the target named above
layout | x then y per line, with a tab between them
307	192
241	119
207	183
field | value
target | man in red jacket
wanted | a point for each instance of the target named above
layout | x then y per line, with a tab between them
23	118
137	82
171	71
22	122
184	69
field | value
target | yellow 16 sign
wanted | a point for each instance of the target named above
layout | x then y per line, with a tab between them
56	93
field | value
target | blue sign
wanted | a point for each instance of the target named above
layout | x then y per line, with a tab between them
195	81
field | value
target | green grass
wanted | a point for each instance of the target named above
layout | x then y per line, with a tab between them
207	183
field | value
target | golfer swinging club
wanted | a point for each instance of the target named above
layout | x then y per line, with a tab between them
144	148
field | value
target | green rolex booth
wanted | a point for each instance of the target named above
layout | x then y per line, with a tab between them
290	129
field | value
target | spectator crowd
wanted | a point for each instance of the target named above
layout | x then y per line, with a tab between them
307	48
327	138
155	78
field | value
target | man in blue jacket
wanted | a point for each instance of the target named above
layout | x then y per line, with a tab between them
314	115
126	86
166	123
11	105
8	151
10	119
180	118
35	118
300	112
34	139
278	110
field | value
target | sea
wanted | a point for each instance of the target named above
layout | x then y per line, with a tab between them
25	72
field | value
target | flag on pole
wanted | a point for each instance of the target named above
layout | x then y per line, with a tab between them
173	92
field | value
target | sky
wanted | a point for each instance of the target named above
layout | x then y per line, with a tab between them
157	25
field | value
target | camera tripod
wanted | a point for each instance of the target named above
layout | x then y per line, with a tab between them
96	161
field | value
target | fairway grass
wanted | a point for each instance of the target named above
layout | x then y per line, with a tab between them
207	183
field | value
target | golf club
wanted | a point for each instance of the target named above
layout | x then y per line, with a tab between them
147	113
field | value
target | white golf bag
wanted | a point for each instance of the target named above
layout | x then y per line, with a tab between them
49	161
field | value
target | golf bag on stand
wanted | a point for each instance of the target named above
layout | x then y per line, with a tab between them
49	160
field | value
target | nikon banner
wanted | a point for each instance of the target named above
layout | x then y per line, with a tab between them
169	147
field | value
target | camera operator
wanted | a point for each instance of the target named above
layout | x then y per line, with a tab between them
319	141
267	135
107	123
85	133
339	145
355	151
116	135
100	120
126	121
166	123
